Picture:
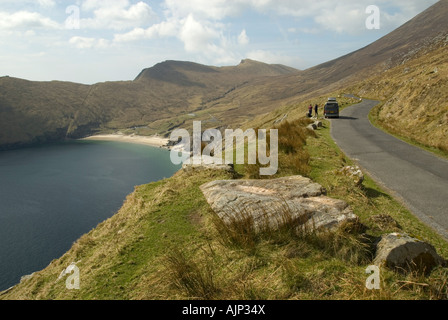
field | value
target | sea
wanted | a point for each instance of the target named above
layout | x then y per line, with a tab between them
51	195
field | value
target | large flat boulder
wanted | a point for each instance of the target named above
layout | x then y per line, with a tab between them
273	203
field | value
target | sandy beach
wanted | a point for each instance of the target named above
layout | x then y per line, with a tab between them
153	141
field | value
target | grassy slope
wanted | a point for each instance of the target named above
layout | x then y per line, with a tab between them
165	244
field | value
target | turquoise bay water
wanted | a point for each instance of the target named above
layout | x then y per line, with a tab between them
52	195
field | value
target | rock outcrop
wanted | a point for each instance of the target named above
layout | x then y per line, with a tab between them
403	253
269	204
206	163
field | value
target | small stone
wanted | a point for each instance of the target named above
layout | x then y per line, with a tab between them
402	253
353	172
27	277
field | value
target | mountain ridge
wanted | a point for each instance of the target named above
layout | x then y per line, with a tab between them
157	92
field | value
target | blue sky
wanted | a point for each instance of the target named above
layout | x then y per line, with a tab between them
89	41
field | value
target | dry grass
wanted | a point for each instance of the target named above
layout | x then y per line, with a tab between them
196	279
293	158
415	99
239	229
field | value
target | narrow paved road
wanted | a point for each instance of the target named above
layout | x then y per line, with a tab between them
416	177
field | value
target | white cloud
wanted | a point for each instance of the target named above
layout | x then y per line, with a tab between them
198	23
221	55
31	3
47	3
204	9
26	20
339	16
203	29
134	35
243	39
89	5
343	19
89	43
349	16
203	38
82	42
117	14
197	36
30	33
169	28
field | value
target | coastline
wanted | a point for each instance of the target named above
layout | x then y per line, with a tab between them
152	141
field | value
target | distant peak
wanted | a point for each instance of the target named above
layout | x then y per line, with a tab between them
250	61
265	67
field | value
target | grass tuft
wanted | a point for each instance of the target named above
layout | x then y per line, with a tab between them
197	281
